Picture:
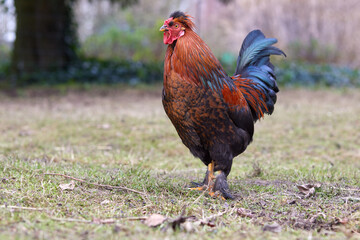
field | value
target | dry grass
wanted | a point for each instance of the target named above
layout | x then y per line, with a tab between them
122	138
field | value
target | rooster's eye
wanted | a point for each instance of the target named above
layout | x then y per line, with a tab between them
176	25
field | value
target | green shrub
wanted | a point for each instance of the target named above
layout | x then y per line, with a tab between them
99	72
313	51
301	73
4	59
135	43
291	73
93	70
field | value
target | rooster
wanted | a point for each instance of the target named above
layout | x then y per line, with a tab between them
213	113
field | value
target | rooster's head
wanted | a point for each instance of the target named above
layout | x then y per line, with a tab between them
175	26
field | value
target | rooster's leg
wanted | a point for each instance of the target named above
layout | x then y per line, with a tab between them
208	180
214	187
222	186
196	185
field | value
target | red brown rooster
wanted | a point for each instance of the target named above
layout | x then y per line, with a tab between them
214	113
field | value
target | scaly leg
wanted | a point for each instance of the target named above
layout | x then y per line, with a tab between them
208	181
220	184
211	177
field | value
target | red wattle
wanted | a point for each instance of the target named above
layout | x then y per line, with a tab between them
169	38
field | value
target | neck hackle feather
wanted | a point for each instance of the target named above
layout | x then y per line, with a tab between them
254	78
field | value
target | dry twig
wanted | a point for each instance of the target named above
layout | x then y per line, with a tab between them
96	184
94	220
135	218
201	195
22	208
71	220
218	215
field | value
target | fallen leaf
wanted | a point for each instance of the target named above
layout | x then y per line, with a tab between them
308	189
188	227
68	186
105	202
104	126
343	220
275	227
155	220
242	212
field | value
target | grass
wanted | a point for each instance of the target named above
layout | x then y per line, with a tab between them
122	137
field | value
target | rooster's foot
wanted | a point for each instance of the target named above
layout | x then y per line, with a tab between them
222	186
217	186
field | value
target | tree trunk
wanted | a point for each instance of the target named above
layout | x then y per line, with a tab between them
45	36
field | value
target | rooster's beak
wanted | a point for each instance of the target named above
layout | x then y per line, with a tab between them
163	28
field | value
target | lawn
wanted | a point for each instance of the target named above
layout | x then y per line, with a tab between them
98	163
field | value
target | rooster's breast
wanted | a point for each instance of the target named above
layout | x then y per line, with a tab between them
201	118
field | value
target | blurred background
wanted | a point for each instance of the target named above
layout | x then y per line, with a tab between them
52	42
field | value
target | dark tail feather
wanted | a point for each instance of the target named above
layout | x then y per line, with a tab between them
254	64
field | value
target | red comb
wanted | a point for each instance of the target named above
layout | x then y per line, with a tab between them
168	21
